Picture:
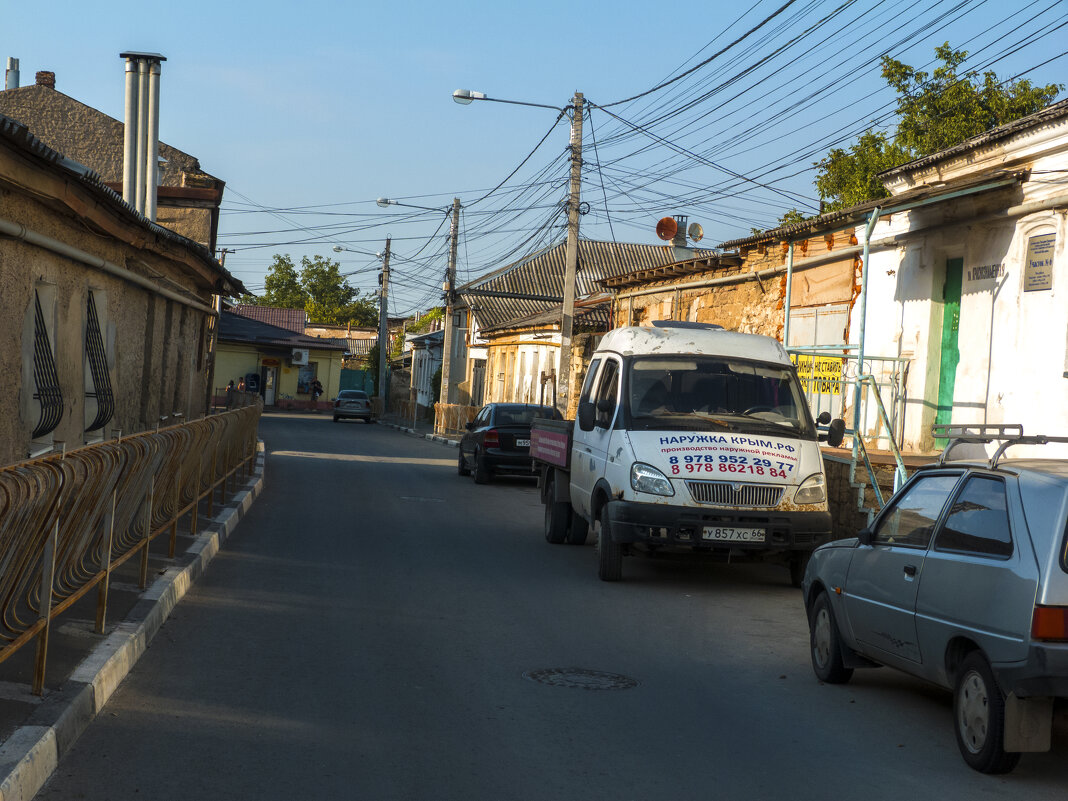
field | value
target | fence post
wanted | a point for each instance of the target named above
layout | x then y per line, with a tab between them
48	573
148	532
177	511
102	592
211	482
196	500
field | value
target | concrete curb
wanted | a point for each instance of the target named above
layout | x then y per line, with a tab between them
452	443
30	755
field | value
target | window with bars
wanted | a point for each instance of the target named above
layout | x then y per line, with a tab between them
100	400
45	379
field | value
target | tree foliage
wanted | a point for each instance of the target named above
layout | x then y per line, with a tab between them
935	111
320	289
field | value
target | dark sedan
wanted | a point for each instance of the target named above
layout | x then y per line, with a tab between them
498	440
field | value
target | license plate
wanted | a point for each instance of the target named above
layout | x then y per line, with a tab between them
522	443
731	534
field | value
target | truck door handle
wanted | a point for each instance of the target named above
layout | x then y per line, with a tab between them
910	570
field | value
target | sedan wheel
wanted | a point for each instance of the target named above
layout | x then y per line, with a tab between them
461	465
979	709
483	473
825	644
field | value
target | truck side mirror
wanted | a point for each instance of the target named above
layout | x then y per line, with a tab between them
836	432
587	413
824	418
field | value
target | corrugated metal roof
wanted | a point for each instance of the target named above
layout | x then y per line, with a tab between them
235	328
542	274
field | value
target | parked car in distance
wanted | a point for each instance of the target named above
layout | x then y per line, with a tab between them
962	580
352	404
498	440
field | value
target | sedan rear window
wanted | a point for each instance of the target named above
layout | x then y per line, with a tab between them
352	394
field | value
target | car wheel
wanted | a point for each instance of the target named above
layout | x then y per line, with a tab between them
461	465
576	534
797	565
979	711
335	418
556	516
825	643
609	553
483	473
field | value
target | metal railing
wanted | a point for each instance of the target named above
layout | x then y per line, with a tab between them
68	521
452	419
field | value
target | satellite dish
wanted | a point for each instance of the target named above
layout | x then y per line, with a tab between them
695	232
667	228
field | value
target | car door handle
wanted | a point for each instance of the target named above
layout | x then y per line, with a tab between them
910	570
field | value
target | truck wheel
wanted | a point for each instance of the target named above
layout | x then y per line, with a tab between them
979	710
461	466
556	516
825	644
609	554
576	535
483	474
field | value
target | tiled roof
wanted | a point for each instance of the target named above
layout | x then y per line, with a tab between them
86	134
236	328
19	135
540	277
292	319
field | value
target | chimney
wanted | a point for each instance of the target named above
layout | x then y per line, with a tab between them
11	77
140	163
46	79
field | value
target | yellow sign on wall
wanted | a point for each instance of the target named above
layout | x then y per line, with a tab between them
820	375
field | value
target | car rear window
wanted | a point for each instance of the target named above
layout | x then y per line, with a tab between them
522	416
352	394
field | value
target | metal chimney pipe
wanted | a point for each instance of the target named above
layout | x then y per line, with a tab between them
11	76
142	133
152	143
129	137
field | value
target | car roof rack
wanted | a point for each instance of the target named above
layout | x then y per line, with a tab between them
1008	434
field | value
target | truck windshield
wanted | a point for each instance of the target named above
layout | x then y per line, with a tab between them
712	393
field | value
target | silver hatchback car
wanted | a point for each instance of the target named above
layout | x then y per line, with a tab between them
962	580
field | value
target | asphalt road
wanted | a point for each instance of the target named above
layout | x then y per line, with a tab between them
370	630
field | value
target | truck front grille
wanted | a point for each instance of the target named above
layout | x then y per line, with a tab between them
727	493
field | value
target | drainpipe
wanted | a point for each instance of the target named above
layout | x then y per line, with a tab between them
863	322
789	287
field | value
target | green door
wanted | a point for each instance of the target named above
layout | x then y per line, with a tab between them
947	373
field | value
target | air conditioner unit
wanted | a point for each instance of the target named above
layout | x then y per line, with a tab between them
300	356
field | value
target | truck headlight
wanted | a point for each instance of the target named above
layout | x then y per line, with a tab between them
646	478
812	490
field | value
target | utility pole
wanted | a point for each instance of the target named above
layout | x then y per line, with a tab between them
383	327
450	283
567	318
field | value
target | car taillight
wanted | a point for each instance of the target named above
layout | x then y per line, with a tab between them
492	439
1050	623
337	403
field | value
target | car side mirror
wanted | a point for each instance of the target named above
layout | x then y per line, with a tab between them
606	406
587	413
865	536
470	426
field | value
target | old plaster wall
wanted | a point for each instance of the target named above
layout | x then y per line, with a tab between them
141	332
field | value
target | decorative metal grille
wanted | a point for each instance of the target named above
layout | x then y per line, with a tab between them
45	378
98	368
726	493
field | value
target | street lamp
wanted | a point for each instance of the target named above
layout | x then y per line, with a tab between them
567	316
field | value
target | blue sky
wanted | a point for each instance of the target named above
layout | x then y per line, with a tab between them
310	111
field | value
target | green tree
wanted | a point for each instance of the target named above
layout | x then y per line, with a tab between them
935	111
319	288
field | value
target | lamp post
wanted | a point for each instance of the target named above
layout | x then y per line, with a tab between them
383	320
446	394
567	316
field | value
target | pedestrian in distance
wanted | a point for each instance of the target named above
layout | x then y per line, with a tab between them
316	390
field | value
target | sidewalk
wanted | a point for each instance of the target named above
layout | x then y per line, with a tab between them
42	729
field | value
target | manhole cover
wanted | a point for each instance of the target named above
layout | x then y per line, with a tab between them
580	678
